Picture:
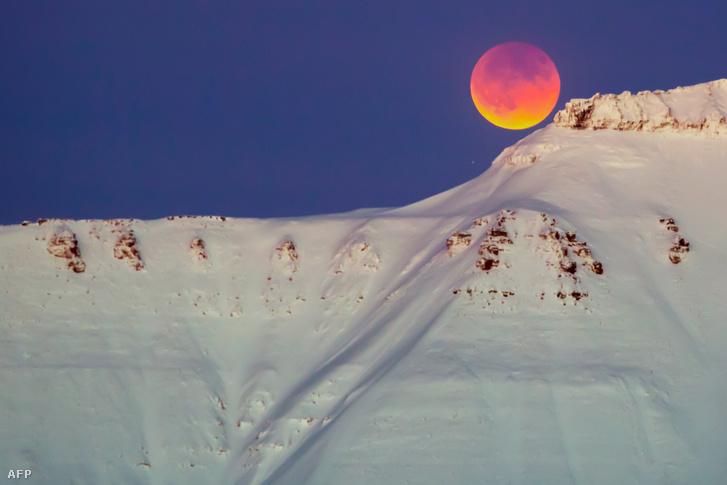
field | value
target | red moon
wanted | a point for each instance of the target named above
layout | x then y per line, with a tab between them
515	85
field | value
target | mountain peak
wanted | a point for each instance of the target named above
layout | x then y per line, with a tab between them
699	109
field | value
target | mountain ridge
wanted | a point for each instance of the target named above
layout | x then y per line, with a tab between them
699	109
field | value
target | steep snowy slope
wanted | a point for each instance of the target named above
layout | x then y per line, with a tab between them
559	319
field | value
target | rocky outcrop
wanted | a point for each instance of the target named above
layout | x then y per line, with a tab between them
678	249
126	250
700	109
285	258
568	249
480	221
210	218
579	249
495	242
63	244
458	242
199	250
40	222
679	245
526	250
200	257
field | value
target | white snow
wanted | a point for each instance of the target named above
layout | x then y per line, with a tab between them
364	348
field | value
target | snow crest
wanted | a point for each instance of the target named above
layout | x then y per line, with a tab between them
699	109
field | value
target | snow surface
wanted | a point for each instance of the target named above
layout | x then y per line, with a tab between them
467	338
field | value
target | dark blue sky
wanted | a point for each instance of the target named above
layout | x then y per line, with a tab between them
285	108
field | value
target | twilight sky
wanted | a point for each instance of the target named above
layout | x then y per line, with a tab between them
286	108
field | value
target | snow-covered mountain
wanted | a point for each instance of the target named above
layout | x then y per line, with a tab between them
559	319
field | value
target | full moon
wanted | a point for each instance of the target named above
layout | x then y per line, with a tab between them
515	85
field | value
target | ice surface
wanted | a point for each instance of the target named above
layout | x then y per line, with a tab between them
381	346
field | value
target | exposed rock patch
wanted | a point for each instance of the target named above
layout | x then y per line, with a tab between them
679	245
458	242
576	295
40	222
669	224
285	258
199	249
568	249
126	250
579	249
568	254
480	221
677	250
120	222
534	246
200	257
210	218
63	244
495	242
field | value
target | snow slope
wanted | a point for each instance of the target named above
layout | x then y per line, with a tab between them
559	319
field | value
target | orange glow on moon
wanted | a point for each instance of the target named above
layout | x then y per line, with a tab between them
515	85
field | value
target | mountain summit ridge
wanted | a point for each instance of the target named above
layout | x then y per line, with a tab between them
699	109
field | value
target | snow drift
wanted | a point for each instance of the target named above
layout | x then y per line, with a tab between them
559	319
